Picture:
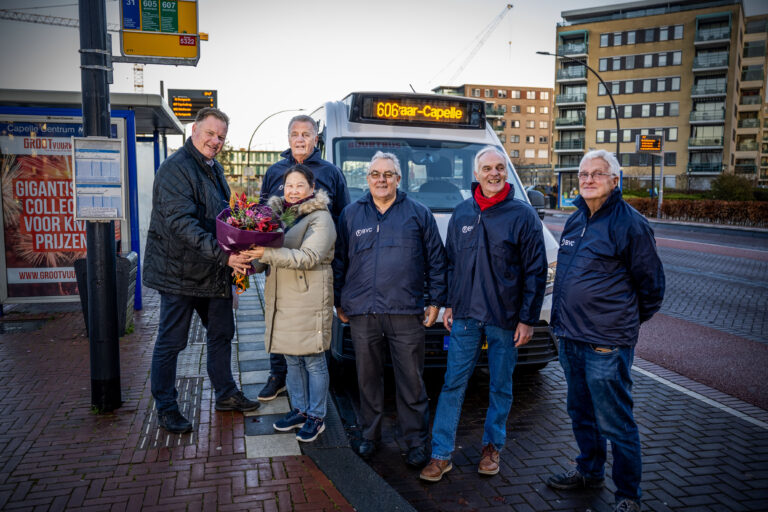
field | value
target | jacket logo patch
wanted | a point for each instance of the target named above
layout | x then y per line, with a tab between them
467	229
569	243
363	231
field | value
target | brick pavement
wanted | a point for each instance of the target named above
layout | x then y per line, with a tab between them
55	454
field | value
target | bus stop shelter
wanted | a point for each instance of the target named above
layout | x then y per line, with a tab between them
39	237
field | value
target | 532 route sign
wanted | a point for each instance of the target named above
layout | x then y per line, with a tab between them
159	32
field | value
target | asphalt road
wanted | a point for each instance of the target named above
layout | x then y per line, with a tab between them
713	324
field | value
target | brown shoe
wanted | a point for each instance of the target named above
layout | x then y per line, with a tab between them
435	470
489	461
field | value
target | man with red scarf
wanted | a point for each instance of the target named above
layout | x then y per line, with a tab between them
497	270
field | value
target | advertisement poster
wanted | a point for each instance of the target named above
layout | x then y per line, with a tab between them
41	238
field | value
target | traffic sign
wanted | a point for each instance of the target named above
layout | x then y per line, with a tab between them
159	32
185	103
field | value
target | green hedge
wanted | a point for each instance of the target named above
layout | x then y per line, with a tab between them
738	213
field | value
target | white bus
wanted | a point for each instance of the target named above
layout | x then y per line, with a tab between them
435	138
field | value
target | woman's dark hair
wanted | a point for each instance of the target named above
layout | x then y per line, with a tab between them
303	170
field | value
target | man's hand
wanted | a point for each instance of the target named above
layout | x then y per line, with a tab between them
448	319
430	316
239	262
523	334
340	313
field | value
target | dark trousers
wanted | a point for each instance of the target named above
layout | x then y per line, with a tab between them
278	368
405	336
173	330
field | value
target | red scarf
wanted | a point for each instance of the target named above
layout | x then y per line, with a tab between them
486	202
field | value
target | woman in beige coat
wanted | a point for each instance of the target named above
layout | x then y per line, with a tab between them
299	298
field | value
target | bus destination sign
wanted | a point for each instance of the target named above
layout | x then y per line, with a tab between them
650	143
418	110
185	103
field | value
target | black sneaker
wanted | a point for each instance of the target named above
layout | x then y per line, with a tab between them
312	428
574	480
292	420
237	402
174	422
272	388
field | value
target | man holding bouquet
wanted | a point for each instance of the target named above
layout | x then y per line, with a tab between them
184	262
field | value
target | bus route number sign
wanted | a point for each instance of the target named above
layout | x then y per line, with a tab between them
650	143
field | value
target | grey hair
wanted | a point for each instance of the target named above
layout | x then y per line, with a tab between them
607	156
302	119
386	156
486	150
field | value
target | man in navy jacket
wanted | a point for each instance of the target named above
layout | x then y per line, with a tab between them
609	281
497	272
302	138
388	247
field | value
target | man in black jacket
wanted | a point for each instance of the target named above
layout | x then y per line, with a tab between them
302	139
609	280
187	266
388	246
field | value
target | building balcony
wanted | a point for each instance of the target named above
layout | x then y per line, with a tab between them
707	116
705	142
752	76
712	35
567	167
710	62
499	129
494	112
745	168
751	100
750	145
749	123
572	74
710	168
569	122
569	145
708	90
562	99
571	49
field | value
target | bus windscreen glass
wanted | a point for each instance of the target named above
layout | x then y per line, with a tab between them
436	173
419	111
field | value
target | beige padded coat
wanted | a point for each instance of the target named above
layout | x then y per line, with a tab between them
299	287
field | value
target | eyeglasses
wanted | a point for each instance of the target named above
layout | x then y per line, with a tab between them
375	175
584	176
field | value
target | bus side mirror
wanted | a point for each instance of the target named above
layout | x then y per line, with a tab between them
538	201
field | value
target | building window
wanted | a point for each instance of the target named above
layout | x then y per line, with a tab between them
530	139
515	153
530	153
626	135
543	95
543	110
603	64
661	84
663	33
662	59
603	40
674	109
530	124
531	95
645	110
514	109
530	109
648	60
617	39
600	137
646	86
631	37
488	93
543	124
503	109
629	87
670	159
672	134
678	31
659	110
543	153
677	58
543	139
649	34
629	62
675	83
601	112
616	63
502	138
628	111
501	93
515	95
600	90
615	87
514	124
476	93
514	138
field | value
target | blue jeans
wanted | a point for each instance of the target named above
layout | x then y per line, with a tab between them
463	352
307	383
600	407
173	329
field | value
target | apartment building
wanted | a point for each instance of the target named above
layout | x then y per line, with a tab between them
245	169
690	70
522	119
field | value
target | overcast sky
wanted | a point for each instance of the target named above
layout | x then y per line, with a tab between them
265	55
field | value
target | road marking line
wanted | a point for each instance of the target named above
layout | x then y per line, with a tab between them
702	398
758	251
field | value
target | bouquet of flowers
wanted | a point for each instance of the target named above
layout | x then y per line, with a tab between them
246	224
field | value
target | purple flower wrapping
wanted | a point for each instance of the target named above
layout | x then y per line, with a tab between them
233	240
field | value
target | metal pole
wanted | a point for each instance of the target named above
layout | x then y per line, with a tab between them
661	186
100	236
653	172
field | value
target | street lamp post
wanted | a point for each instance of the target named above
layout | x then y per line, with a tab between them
607	90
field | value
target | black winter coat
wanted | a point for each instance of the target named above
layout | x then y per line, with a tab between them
609	277
182	256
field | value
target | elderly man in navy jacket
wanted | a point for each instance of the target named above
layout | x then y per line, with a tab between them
497	272
302	139
609	281
388	247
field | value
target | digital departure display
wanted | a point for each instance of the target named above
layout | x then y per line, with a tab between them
417	110
185	103
649	143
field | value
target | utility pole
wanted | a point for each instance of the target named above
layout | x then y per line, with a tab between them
100	236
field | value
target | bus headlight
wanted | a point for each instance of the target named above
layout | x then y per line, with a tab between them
551	271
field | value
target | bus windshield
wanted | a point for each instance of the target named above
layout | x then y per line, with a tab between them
436	173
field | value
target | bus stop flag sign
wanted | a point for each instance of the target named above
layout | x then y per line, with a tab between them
159	32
